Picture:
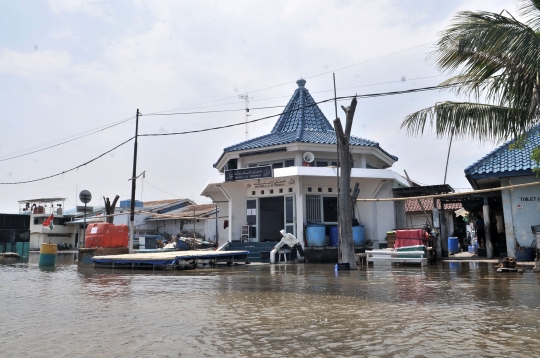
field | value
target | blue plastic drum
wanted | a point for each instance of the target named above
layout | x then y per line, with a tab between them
453	245
316	234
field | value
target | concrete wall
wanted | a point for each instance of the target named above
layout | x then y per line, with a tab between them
521	207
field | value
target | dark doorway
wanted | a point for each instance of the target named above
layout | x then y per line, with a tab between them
272	218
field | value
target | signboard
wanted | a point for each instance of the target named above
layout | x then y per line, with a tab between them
85	196
249	173
82	209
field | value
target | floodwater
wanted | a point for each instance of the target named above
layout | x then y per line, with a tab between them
446	310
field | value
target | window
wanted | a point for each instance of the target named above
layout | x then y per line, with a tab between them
280	191
309	189
289	163
329	190
319	190
271	191
262	192
313	208
251	216
321	164
290	190
369	166
330	209
36	221
252	165
253	192
277	165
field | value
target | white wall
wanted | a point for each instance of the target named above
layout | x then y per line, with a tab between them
521	207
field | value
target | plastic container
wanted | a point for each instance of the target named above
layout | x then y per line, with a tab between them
333	236
47	255
524	254
106	235
316	234
453	245
358	235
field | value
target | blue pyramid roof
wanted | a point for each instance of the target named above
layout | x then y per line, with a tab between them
504	161
301	121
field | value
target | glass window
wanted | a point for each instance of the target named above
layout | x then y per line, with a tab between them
289	163
330	209
251	212
277	165
289	210
321	164
252	165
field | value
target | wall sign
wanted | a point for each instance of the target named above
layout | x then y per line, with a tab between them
249	173
529	198
269	183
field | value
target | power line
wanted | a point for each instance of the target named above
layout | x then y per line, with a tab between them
371	95
320	74
72	169
146	181
204	112
67	141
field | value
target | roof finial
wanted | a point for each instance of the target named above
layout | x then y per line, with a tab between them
301	82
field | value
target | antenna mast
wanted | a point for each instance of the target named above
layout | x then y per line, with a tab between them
246	99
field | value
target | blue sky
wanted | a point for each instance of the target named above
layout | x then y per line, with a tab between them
67	67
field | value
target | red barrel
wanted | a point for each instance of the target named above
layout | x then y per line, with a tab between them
106	235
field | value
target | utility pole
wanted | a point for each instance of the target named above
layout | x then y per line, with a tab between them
337	172
133	186
246	99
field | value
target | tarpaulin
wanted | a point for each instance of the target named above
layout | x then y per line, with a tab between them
408	242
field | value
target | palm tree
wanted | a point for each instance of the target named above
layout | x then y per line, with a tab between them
495	58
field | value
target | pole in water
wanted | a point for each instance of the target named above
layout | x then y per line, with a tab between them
133	187
337	170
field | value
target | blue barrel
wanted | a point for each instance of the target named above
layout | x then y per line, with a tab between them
453	245
524	254
358	235
316	234
333	236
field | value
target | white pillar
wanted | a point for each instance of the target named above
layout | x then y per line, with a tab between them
487	230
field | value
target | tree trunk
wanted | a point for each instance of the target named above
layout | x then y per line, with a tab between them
109	208
346	243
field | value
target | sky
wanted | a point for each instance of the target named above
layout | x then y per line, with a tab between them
69	68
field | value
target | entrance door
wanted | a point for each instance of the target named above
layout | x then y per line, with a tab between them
290	222
271	218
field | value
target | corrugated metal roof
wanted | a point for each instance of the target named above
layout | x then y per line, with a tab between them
197	210
151	204
301	121
506	160
413	206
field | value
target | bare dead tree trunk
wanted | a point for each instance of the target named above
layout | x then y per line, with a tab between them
109	208
346	243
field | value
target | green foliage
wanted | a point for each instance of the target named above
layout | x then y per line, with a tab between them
535	156
494	57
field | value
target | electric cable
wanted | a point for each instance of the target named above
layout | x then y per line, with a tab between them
371	95
204	112
72	169
320	74
94	131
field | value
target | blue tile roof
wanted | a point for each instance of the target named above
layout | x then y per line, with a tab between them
301	121
504	161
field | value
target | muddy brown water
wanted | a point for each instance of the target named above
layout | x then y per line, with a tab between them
446	310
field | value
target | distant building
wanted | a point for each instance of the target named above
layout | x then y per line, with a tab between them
287	179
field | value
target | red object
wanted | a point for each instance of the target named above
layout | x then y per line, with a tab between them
410	238
47	221
106	235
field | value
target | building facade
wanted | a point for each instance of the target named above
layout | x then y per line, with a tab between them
287	179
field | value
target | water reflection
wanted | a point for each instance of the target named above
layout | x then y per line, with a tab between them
449	309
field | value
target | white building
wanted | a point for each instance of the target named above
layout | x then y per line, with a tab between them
267	185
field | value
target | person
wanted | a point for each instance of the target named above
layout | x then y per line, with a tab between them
291	241
480	232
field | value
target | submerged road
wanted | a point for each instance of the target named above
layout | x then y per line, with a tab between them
452	309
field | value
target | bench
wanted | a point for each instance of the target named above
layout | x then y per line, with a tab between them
396	256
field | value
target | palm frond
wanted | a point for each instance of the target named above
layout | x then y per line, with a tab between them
530	11
462	120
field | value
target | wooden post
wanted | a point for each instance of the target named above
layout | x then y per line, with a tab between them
346	243
419	202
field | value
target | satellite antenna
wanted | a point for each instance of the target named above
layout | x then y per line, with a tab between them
246	99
